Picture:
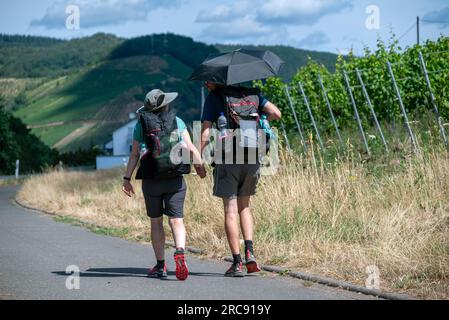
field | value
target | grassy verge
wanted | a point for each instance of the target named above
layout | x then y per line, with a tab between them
333	219
11	182
105	231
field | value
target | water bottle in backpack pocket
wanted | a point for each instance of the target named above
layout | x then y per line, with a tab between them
222	125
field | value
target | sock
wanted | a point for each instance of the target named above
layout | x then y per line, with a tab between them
249	246
237	258
179	251
160	263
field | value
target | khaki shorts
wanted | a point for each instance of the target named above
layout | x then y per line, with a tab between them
236	180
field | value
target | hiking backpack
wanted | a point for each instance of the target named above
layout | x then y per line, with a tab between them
158	130
244	102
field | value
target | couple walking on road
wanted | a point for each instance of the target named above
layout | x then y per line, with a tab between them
237	111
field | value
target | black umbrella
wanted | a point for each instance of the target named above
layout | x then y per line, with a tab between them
238	66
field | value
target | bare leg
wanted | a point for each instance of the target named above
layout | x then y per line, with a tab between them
179	232
231	224
246	222
246	219
179	235
158	237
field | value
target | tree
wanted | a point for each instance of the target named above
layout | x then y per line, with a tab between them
8	152
17	142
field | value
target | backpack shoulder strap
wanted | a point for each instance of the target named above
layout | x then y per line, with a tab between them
224	94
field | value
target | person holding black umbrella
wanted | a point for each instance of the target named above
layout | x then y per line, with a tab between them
235	174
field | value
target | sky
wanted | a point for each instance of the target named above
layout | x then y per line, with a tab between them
322	25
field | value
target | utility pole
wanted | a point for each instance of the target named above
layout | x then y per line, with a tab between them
17	169
203	99
417	30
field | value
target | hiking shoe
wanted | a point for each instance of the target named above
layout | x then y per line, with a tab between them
236	270
182	272
251	263
157	272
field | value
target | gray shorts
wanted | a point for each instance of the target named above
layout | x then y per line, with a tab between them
236	180
164	196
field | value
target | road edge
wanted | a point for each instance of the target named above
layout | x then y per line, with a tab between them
330	282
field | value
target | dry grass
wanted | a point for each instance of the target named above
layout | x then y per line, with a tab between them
11	182
334	221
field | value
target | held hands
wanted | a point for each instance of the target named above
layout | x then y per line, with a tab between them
235	117
200	170
127	188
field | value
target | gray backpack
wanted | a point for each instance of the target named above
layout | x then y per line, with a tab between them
243	101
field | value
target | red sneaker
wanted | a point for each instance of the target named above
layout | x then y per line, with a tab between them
235	270
182	272
251	263
156	272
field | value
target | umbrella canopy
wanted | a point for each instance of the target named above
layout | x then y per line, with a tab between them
238	66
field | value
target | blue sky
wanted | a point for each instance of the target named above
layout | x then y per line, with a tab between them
323	25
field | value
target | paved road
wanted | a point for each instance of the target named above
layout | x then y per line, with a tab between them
35	252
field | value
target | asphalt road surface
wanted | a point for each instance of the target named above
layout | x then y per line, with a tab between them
35	252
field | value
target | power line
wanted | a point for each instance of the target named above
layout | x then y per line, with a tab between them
428	21
408	31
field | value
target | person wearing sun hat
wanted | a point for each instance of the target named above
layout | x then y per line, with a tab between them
161	170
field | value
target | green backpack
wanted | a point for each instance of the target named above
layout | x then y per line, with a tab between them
158	129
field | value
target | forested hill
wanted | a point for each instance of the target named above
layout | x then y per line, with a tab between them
74	93
27	56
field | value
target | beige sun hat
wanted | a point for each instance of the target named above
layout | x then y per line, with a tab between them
156	99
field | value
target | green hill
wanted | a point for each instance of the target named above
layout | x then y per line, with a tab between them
32	57
102	95
75	93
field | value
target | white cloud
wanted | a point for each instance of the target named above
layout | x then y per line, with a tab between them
227	13
219	14
234	23
314	40
94	13
439	17
234	31
300	12
265	21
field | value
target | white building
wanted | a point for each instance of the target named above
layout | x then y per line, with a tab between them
122	140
